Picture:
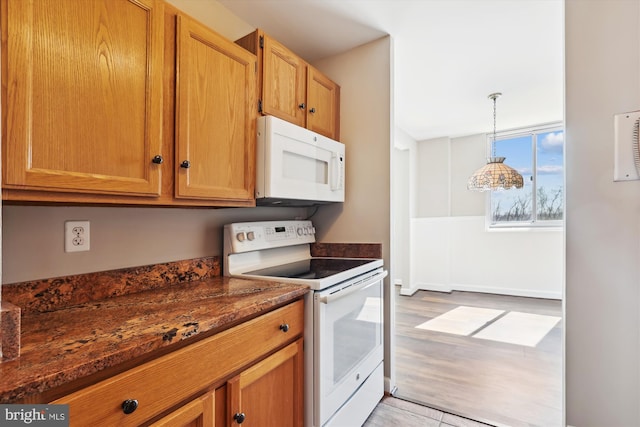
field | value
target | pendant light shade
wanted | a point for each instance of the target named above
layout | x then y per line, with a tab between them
495	175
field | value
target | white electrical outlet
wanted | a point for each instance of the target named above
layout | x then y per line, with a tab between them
76	236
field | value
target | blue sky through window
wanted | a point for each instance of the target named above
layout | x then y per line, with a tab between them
517	204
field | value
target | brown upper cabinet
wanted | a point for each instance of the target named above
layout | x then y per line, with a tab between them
124	102
83	95
291	89
215	115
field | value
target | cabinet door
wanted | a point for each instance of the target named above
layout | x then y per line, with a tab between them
197	413
323	109
284	83
270	393
215	115
83	109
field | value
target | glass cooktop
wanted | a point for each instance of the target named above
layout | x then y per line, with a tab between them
314	268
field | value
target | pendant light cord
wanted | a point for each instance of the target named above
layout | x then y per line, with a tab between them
494	96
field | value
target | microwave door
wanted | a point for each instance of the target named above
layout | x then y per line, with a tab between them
305	170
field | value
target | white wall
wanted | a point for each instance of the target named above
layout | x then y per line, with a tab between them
401	224
602	68
457	253
404	200
451	249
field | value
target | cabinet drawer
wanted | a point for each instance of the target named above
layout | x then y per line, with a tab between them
162	383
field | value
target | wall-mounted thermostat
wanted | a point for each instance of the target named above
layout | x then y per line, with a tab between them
627	149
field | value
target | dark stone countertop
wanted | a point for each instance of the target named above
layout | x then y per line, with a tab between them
72	342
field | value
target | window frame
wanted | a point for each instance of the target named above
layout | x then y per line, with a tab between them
533	224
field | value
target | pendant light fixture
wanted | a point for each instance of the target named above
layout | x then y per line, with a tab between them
495	175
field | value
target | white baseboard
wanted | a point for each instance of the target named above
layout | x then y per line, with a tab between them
531	293
408	291
397	282
387	385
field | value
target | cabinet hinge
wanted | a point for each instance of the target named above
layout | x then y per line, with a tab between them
261	42
259	105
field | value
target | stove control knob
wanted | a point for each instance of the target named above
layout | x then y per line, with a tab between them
251	235
240	236
300	231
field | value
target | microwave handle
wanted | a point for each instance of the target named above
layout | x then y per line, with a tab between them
337	171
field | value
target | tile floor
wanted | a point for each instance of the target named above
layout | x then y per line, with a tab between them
392	411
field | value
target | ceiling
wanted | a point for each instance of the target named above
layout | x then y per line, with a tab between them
449	55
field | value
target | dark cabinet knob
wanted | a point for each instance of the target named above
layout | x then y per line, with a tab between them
157	160
301	106
129	405
239	417
284	327
312	110
186	164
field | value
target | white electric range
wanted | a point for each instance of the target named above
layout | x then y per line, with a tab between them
343	315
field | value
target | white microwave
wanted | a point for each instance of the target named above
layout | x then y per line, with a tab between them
297	167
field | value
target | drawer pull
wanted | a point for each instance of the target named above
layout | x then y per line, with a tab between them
129	405
239	417
284	327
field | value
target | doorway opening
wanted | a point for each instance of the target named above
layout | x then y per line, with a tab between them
478	311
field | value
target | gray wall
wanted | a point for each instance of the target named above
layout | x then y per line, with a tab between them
33	237
603	225
468	154
444	165
365	76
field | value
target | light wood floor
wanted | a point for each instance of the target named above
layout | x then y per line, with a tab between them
488	381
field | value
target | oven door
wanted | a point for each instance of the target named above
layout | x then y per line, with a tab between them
347	340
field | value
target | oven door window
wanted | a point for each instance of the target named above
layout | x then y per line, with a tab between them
349	343
355	336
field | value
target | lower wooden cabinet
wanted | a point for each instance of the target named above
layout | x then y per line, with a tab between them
269	393
197	413
255	368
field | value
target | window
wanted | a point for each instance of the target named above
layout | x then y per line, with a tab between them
538	154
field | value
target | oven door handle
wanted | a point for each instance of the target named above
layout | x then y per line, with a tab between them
355	288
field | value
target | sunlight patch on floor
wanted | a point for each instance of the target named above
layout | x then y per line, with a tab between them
461	320
513	327
519	328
